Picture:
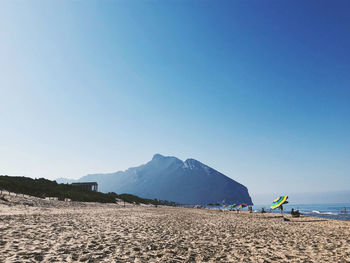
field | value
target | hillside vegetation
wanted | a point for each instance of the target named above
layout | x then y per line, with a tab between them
45	188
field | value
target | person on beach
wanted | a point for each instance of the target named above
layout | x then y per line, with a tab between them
295	213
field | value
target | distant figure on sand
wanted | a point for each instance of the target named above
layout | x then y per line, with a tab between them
263	210
295	213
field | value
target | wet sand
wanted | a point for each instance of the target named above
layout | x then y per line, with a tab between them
53	231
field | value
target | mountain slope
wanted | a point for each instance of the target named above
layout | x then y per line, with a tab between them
168	178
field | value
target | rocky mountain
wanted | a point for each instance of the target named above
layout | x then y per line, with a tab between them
169	178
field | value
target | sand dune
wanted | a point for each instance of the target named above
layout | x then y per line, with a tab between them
79	232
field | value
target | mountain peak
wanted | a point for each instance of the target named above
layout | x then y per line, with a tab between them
192	163
167	159
169	178
157	156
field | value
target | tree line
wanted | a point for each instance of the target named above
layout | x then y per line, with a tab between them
46	188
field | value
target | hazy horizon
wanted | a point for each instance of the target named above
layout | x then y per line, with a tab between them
256	90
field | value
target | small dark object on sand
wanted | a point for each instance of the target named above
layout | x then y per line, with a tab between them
286	219
295	213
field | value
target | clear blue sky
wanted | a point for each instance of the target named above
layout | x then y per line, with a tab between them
259	90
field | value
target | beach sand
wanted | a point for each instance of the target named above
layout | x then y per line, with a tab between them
34	230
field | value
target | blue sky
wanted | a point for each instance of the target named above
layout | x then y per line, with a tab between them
259	90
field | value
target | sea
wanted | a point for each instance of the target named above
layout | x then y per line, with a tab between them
339	211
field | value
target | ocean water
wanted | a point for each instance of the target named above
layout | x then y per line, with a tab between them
329	211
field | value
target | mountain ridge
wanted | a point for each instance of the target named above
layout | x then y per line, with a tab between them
169	178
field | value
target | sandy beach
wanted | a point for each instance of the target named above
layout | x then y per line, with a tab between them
34	230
